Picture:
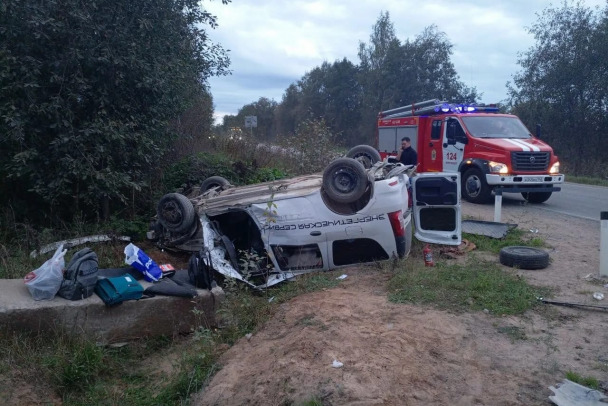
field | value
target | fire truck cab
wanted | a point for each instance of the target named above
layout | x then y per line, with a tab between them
492	151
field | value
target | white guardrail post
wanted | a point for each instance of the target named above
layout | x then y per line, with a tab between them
604	243
497	204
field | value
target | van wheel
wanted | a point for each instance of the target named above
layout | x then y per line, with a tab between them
475	188
524	257
536	197
231	251
176	213
345	180
213	181
365	154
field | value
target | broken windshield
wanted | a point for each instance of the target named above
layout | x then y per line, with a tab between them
496	127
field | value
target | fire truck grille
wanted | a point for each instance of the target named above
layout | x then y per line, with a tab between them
530	161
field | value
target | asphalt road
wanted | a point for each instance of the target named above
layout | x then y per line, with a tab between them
574	199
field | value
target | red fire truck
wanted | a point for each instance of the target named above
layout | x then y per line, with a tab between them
491	151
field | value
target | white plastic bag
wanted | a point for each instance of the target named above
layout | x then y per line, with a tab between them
143	263
44	282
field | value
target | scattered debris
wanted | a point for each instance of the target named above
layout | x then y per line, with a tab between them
118	345
598	296
540	299
248	336
337	364
534	230
341	277
569	393
67	244
271	299
455	252
488	228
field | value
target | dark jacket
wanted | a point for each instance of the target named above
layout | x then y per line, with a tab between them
409	156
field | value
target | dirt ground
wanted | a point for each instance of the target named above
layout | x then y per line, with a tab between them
394	354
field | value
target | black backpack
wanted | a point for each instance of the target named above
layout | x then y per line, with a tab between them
80	276
201	274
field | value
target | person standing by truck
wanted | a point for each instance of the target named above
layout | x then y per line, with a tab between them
407	155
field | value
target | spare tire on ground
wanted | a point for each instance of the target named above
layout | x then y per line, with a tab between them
524	257
365	154
345	180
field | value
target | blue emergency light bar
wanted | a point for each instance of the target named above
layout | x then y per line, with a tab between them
463	108
430	107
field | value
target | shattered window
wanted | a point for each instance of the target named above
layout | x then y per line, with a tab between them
357	250
294	257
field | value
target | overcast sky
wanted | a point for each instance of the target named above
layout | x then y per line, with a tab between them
273	43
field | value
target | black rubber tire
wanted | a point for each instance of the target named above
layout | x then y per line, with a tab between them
214	181
475	188
365	154
345	180
536	197
176	213
524	257
231	251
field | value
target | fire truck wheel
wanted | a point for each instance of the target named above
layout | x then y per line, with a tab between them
365	154
536	197
176	213
524	257
475	189
345	180
213	181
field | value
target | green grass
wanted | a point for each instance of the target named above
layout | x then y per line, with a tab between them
478	285
587	381
514	236
586	180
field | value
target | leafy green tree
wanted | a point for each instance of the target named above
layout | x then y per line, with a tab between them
87	92
394	74
562	84
331	91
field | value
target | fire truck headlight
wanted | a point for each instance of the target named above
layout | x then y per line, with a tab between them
554	168
497	167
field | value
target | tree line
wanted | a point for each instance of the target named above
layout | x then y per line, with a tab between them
349	96
561	85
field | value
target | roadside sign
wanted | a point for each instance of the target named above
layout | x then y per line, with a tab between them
251	121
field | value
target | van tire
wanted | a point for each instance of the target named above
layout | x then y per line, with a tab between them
176	213
524	257
214	181
475	188
345	180
231	252
536	197
365	154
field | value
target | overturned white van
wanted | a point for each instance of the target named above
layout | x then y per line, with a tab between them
359	210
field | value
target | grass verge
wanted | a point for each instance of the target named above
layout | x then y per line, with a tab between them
478	285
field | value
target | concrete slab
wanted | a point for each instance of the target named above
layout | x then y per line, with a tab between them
159	315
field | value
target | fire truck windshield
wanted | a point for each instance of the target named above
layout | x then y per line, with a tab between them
496	127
